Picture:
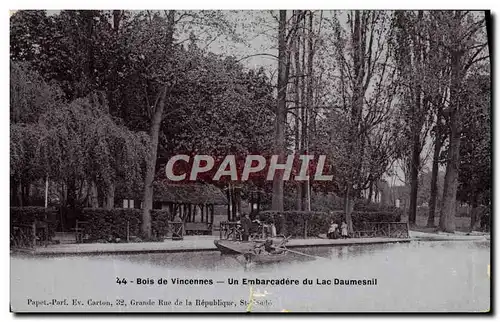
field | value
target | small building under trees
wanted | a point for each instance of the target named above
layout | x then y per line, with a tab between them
194	203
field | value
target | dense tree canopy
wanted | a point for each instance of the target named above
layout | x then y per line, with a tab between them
102	99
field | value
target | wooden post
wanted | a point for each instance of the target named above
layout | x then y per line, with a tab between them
47	191
77	234
389	230
305	229
34	234
128	231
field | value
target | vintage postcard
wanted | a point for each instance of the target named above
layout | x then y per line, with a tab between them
250	161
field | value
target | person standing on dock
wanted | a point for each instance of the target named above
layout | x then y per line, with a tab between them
343	228
332	231
245	225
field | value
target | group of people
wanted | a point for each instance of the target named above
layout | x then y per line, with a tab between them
336	231
246	226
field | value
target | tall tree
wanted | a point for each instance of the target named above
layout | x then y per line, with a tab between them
362	55
439	90
280	123
474	175
164	86
467	43
157	77
415	71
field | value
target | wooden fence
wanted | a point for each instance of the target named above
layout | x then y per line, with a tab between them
382	229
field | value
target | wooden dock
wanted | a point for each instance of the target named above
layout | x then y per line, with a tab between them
190	244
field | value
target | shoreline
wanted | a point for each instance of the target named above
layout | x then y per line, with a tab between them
205	244
189	244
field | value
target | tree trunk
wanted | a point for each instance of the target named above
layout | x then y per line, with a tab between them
447	220
303	110
348	209
384	195
116	20
13	193
17	189
299	205
309	101
25	193
434	178
298	111
154	133
237	199
279	146
415	164
358	55
416	127
71	193
151	166
94	196
474	211
110	197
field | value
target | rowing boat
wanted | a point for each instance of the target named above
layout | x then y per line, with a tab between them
234	246
242	247
266	258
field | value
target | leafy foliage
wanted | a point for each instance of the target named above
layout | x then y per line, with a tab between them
82	142
30	95
475	173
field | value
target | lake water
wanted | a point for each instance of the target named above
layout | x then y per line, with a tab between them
418	276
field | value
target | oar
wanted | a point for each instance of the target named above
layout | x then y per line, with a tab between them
299	253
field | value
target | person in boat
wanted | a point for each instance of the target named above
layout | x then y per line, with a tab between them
343	228
266	247
246	225
333	230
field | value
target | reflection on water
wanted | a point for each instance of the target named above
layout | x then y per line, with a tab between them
417	276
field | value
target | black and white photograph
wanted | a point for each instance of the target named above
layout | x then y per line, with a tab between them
250	161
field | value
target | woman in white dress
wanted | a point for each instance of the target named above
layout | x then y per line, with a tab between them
344	229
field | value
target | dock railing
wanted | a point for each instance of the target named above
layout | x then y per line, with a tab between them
382	229
230	230
27	236
23	236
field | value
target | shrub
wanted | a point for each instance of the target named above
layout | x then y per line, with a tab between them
159	221
297	223
105	223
